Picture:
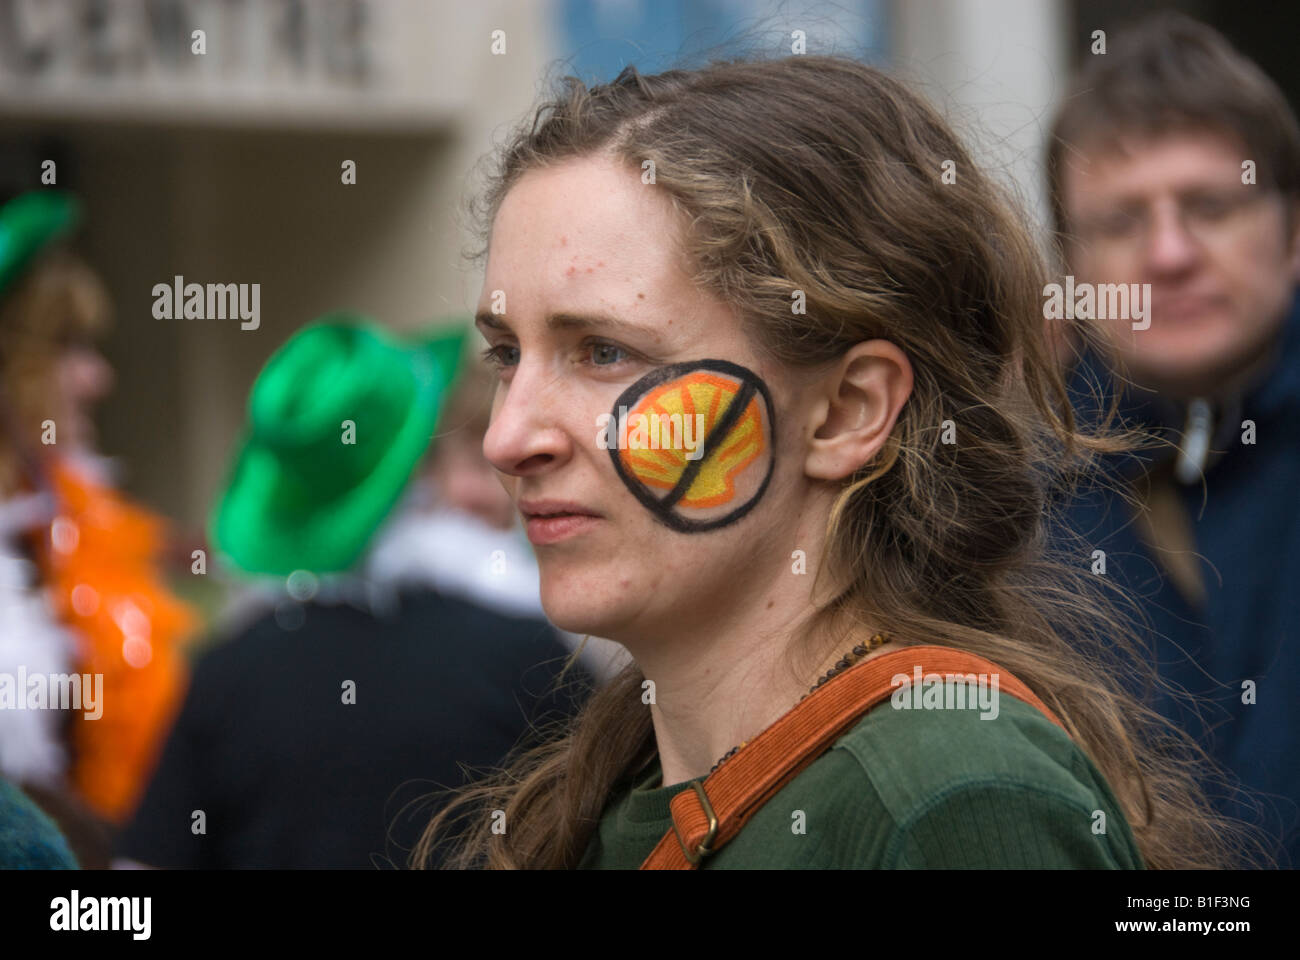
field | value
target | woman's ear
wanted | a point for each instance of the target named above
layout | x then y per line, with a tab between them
856	409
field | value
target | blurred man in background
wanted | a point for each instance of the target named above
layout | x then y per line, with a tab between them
1175	162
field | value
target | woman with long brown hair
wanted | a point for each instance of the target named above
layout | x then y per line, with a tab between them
778	407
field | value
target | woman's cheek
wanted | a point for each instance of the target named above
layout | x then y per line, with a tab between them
694	443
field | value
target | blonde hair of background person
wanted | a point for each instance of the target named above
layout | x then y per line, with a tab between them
822	175
49	367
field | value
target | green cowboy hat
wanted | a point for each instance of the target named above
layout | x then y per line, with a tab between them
30	223
337	421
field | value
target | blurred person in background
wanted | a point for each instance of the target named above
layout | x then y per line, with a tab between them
456	510
314	735
82	591
1175	162
457	531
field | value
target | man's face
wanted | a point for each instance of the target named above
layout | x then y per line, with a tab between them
1173	212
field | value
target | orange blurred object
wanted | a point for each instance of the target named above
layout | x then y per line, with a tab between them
99	561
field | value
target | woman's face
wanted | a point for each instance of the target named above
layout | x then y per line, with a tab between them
587	307
82	377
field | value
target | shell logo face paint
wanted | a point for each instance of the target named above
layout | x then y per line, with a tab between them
696	443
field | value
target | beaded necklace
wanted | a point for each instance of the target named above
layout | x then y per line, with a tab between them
853	656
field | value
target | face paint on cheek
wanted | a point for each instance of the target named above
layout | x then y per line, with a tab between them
696	443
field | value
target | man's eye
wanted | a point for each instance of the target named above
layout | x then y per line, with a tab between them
1209	208
502	355
1118	223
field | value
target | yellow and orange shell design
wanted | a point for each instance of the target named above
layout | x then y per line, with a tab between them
696	442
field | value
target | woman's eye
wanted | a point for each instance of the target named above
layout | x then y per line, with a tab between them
502	355
607	354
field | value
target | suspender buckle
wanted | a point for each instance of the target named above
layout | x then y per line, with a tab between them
702	850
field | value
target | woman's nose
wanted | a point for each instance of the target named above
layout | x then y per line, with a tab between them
90	376
101	374
526	436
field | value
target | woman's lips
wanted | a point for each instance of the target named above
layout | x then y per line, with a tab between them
553	529
548	522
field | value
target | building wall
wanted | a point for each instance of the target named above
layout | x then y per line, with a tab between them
220	173
996	68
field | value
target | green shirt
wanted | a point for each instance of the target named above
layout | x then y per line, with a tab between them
908	789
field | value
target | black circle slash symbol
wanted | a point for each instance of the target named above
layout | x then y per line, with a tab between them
664	508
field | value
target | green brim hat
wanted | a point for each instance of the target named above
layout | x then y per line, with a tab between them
338	419
30	223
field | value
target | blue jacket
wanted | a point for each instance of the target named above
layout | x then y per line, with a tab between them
1246	529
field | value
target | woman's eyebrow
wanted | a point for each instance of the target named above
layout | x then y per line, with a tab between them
572	321
598	321
490	320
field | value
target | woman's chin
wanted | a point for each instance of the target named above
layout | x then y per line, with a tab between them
577	615
578	607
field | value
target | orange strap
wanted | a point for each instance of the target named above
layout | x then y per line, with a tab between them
713	812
